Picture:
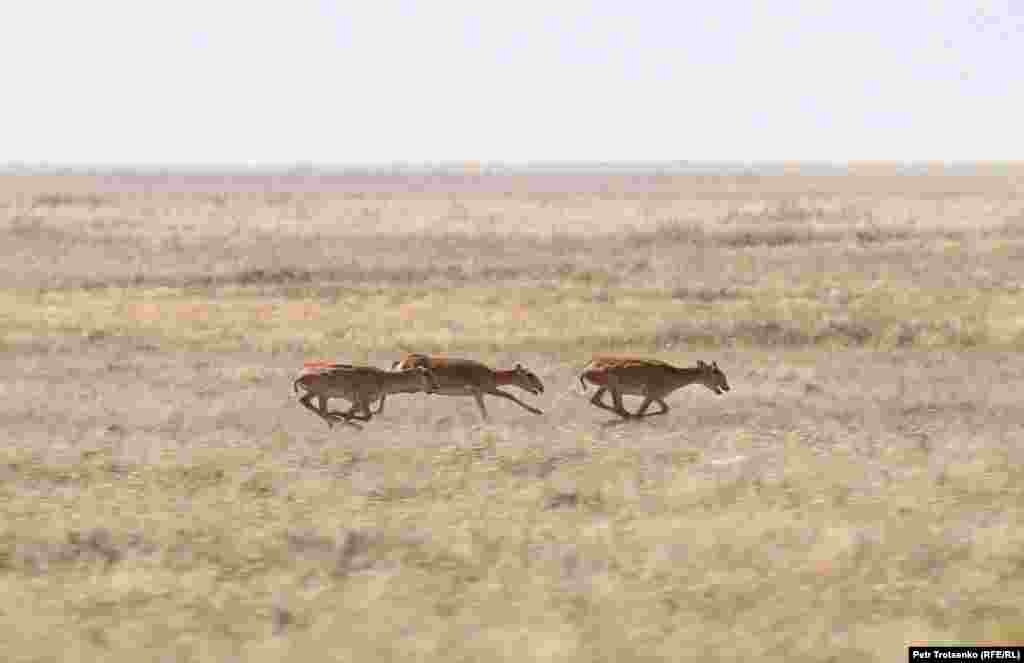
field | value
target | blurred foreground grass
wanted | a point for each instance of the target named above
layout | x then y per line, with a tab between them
500	551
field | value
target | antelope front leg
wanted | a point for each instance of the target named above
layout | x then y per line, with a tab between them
344	418
331	417
322	411
348	415
596	400
356	407
499	392
619	409
341	417
479	396
647	403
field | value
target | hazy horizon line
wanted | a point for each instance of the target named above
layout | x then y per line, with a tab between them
469	167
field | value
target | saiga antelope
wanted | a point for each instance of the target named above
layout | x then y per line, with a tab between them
650	378
465	377
360	385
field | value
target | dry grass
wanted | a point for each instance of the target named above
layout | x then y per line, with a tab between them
165	498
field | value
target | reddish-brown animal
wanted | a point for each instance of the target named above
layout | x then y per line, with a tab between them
465	377
650	378
361	385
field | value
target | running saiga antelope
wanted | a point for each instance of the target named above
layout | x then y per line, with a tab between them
465	377
360	385
650	378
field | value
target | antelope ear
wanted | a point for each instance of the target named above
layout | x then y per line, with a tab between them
700	363
519	367
714	365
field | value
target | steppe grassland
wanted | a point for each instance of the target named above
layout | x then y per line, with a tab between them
164	495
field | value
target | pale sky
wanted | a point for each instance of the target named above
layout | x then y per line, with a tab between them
331	82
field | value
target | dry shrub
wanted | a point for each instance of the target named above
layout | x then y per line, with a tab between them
845	330
31	227
875	234
54	200
771	236
685	333
769	333
783	211
706	293
668	232
272	276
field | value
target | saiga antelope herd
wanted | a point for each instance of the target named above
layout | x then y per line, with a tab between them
415	373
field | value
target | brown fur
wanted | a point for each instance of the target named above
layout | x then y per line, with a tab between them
651	378
360	385
465	377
